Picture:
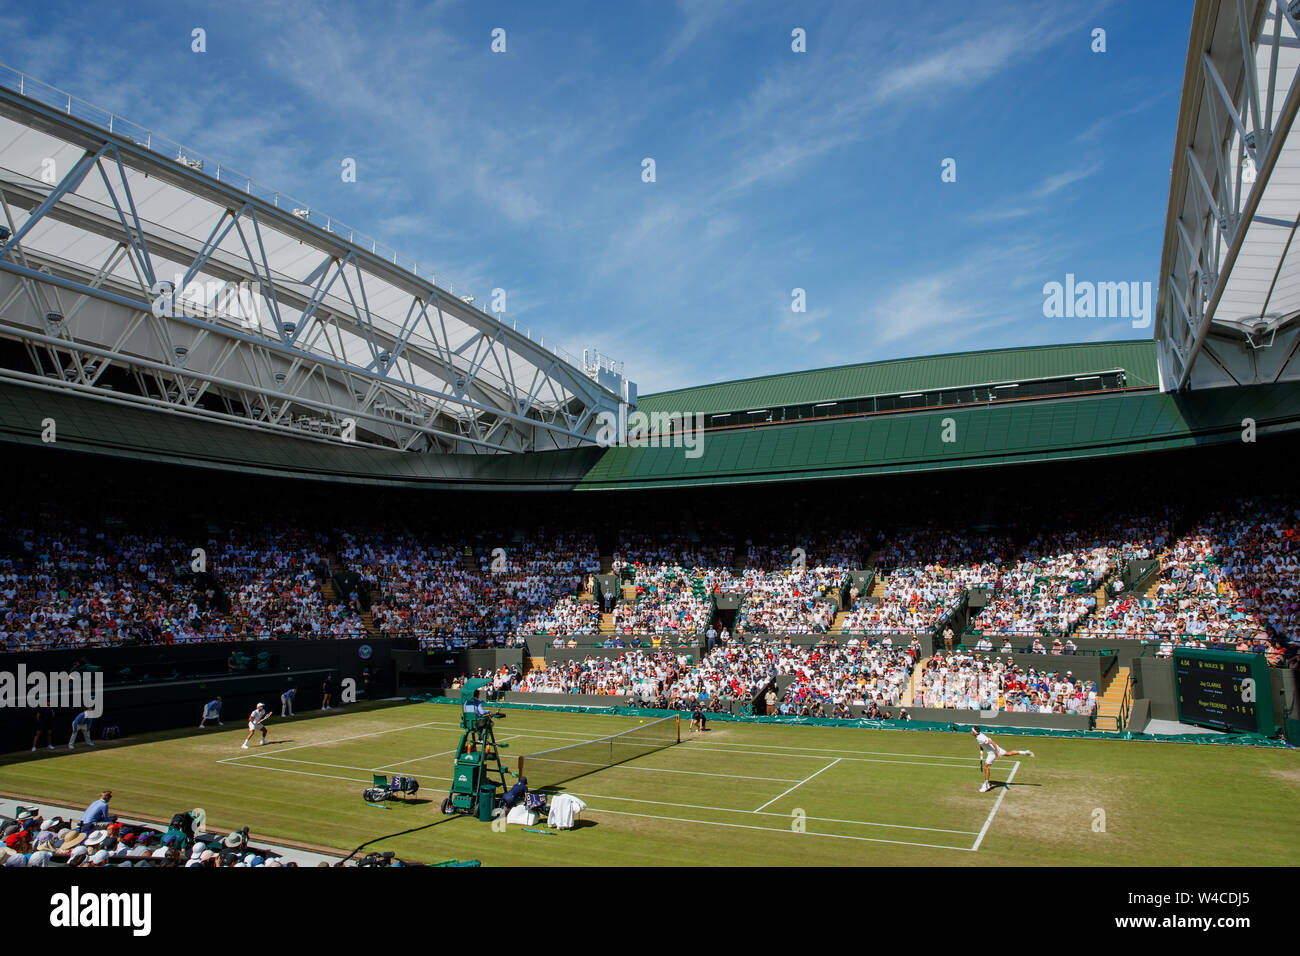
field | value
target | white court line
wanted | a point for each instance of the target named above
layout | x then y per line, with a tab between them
800	784
305	773
696	773
309	763
786	816
803	751
337	766
718	748
548	736
905	763
440	753
661	803
748	826
337	740
996	803
824	750
807	753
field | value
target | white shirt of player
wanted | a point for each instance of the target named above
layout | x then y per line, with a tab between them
256	717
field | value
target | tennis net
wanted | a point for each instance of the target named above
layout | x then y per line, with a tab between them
549	768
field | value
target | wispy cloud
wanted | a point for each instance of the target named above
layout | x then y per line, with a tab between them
698	17
1032	202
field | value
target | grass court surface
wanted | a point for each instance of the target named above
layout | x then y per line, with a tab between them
737	795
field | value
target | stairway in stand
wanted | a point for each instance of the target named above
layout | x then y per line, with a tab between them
331	594
368	621
1111	700
909	692
837	626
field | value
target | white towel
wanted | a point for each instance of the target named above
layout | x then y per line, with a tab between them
563	810
521	814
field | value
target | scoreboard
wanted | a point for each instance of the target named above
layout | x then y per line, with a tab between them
1224	689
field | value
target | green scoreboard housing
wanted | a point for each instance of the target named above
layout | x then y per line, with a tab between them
1224	689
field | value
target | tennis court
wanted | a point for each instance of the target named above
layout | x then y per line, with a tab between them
705	780
738	794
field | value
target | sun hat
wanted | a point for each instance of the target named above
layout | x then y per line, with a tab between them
73	839
98	838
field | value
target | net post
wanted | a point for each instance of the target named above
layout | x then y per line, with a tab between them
677	726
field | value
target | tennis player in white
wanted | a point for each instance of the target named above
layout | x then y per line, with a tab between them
256	719
990	751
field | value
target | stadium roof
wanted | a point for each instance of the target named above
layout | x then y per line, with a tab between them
1091	426
1228	310
136	265
951	370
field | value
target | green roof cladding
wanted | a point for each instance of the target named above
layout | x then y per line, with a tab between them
899	376
1086	426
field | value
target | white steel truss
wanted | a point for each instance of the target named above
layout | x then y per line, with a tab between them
1229	294
129	275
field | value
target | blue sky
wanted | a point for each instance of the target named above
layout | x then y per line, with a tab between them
775	170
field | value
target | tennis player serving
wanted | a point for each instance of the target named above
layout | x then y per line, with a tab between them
990	751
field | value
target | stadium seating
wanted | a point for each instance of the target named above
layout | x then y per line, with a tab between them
1228	580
